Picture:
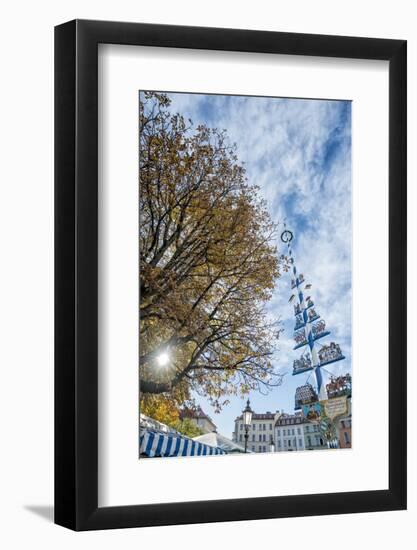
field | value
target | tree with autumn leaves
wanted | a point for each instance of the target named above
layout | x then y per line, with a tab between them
208	265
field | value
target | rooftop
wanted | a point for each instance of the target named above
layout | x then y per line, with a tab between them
260	416
194	413
290	420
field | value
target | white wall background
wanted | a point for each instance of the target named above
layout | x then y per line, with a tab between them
26	269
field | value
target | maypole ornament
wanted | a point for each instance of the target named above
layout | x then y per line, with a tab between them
328	430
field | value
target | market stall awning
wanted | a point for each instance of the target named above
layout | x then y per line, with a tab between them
217	440
155	443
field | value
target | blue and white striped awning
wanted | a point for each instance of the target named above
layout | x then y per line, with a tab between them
154	443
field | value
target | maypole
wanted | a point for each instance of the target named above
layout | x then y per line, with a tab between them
308	328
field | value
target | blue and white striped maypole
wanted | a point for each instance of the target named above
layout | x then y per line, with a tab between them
305	332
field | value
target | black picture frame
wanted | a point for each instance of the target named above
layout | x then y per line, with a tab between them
76	272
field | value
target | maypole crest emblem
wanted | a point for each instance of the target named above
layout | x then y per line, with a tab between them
286	236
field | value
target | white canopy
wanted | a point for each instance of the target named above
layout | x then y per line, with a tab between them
217	440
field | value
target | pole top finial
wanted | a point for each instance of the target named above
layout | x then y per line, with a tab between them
287	236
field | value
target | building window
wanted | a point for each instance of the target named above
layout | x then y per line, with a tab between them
241	426
253	437
300	442
289	443
298	431
240	437
254	426
342	422
264	427
309	441
307	429
260	448
283	431
278	432
270	426
292	431
253	447
279	443
346	436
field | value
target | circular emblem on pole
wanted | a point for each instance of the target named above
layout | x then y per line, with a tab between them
286	236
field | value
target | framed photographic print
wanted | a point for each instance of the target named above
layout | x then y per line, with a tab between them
230	275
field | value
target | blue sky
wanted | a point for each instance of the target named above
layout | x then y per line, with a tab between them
299	153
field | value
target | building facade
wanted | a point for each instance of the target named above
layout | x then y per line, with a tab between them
289	433
296	433
345	433
286	432
312	437
261	431
344	427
